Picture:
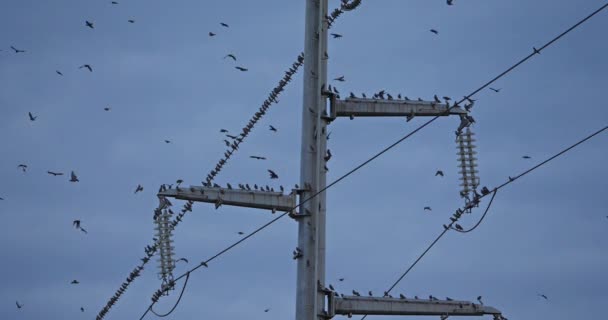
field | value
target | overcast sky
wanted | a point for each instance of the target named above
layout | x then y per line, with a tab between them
164	78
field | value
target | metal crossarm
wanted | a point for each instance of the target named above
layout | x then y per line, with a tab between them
364	107
274	201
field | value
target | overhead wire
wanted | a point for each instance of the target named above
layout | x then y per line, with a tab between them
493	192
158	293
344	7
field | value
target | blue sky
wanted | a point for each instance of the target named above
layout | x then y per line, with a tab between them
164	78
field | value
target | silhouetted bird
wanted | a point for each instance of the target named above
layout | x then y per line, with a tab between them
81	309
131	21
427	208
336	35
266	310
495	90
458	227
479	299
257	157
23	167
527	157
485	191
76	224
17	50
139	188
273	175
272	128
181	259
89	24
340	78
32	117
536	51
543	296
223	130
167	141
107	109
439	173
58	72
434	31
224	25
230	55
241	233
211	34
73	177
355	293
86	66
19	306
450	2
241	69
55	173
75	282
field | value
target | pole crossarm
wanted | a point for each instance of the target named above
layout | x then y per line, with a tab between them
365	107
274	201
351	305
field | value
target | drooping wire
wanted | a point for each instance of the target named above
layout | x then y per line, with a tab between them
480	219
177	302
336	13
345	6
493	192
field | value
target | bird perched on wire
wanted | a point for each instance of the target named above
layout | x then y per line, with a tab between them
273	175
32	117
439	173
88	66
23	167
73	177
139	188
485	191
355	293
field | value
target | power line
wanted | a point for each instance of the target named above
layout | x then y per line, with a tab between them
493	192
481	219
513	67
345	6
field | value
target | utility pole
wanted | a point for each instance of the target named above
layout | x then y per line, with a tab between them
308	300
311	292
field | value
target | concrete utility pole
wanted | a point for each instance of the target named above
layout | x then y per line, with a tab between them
311	292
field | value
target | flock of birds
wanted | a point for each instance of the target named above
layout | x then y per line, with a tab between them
235	140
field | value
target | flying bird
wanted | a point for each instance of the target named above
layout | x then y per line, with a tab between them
272	128
23	167
427	208
114	2
241	69
495	90
81	309
107	109
211	34
19	306
257	157
340	78
434	31
83	230
76	224
17	50
266	310
58	72
223	130
543	296
89	24
341	279
131	21
241	233
224	25
230	55
86	66
450	2
273	175
181	259
73	177
526	157
439	173
336	35
75	282
32	117
167	141
55	173
139	188
479	299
